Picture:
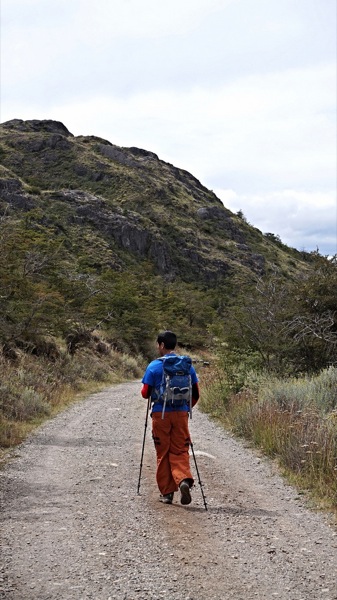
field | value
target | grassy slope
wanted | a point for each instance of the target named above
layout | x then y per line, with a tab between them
162	199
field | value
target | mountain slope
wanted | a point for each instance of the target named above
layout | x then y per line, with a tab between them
124	205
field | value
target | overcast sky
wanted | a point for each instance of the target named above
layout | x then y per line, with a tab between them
241	93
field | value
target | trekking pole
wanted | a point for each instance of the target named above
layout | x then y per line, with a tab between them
141	460
199	480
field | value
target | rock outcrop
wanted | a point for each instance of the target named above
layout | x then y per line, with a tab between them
143	208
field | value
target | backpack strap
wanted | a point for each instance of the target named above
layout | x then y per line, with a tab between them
163	386
159	391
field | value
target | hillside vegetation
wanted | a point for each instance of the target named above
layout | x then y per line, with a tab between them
97	235
103	246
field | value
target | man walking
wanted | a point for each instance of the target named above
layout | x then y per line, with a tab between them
170	431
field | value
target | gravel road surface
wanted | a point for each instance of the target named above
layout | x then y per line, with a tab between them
73	526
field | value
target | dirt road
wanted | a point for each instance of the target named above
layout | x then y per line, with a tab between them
73	526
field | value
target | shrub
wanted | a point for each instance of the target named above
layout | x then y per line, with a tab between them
299	393
294	420
21	402
33	387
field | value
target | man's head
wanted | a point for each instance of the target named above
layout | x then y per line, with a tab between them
166	341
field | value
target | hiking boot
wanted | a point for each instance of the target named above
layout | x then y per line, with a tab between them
166	498
185	492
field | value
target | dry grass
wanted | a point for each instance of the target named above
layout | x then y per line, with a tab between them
294	421
33	389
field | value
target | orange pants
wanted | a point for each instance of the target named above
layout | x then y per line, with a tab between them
172	440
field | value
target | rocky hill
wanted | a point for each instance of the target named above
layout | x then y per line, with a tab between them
123	206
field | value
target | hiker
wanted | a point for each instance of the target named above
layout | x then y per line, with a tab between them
170	430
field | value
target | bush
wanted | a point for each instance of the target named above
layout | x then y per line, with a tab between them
303	392
33	387
294	420
23	406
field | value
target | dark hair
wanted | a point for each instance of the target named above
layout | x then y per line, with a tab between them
168	338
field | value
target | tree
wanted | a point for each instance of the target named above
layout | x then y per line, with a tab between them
257	322
292	324
314	327
29	306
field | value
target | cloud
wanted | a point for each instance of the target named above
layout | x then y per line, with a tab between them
124	47
101	45
303	220
239	93
261	132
